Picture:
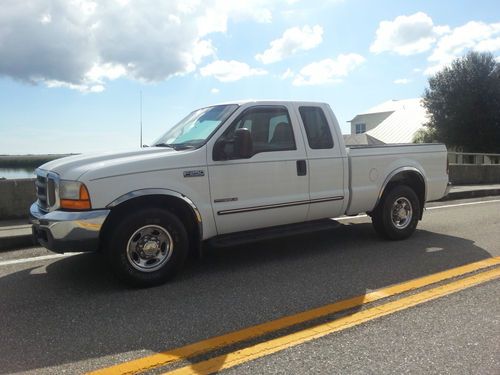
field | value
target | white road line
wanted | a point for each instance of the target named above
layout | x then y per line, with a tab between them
55	256
36	259
463	204
427	208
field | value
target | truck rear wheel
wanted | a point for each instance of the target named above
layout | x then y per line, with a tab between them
147	247
396	216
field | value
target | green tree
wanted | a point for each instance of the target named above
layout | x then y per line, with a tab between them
425	135
463	101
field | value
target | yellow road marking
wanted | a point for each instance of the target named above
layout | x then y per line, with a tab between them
275	345
207	345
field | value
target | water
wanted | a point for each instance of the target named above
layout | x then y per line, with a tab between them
12	173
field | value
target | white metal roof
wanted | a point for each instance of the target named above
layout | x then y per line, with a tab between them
360	139
408	116
392	105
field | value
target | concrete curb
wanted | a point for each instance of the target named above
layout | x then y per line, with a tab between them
16	242
22	238
454	195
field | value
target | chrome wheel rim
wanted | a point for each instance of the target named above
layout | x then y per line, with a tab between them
401	213
149	248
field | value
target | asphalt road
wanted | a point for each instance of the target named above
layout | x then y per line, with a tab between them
68	314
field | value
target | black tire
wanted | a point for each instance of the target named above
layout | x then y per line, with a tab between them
387	223
147	247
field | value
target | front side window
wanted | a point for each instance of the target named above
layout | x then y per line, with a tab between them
317	129
270	129
194	130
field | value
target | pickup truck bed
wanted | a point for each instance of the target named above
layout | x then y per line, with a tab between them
368	163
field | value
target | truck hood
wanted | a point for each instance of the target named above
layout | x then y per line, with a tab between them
73	167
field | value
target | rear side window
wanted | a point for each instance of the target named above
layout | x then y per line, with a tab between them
317	129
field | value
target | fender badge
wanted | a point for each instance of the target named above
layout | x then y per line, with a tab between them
198	173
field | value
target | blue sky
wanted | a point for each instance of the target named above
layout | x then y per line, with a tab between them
71	71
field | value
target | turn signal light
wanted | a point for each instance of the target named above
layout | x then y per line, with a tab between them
82	203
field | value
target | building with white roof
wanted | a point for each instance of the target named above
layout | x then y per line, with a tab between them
394	121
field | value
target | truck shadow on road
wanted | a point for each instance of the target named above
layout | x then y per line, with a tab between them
72	313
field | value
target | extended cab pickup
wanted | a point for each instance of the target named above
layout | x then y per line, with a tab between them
229	172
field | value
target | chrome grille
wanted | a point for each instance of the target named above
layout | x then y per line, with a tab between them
51	191
41	191
46	186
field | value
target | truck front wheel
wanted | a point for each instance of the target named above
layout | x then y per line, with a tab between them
148	247
397	214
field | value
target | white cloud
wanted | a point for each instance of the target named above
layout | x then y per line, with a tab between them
109	71
292	41
407	35
328	70
94	80
218	12
402	81
433	69
84	87
60	43
214	91
489	45
46	18
287	74
229	71
478	36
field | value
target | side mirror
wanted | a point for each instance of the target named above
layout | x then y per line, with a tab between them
243	144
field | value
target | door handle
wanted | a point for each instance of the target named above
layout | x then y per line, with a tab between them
301	168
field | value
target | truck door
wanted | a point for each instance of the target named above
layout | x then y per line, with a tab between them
271	187
326	164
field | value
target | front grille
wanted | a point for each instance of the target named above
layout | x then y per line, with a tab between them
45	185
41	191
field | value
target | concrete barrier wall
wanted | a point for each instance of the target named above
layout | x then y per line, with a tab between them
470	174
16	197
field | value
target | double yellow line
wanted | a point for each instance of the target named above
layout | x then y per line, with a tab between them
274	345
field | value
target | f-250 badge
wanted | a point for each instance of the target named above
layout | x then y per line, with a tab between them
198	173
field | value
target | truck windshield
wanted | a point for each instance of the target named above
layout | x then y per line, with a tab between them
196	128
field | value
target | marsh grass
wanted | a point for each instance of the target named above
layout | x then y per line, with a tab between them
26	161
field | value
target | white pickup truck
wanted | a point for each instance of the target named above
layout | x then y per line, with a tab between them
229	173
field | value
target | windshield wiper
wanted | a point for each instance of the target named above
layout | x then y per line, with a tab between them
164	145
176	147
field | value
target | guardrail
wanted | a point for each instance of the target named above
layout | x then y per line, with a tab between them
471	168
473	158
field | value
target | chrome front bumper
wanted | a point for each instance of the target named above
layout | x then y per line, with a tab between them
67	231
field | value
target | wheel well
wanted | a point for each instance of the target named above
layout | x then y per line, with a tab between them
173	204
411	179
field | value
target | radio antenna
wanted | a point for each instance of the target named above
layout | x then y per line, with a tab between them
140	105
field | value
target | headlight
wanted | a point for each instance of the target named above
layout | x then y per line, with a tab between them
73	195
